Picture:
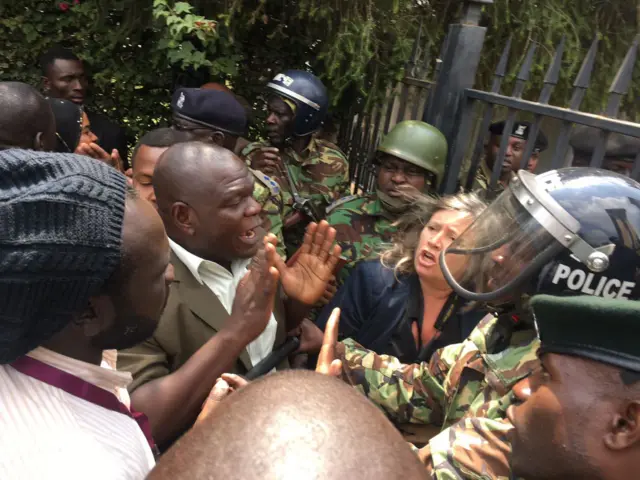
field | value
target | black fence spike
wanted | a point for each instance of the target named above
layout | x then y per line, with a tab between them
501	69
583	79
523	75
553	74
622	82
525	70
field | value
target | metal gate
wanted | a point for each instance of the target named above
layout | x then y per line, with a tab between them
362	131
450	103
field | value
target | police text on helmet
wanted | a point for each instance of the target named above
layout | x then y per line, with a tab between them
579	280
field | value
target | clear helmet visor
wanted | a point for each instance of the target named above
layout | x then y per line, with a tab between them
498	252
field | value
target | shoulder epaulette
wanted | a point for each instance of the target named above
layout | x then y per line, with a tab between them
267	181
340	201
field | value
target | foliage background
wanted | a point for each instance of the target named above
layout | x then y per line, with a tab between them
138	51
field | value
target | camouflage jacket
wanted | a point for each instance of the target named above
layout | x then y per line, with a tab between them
474	448
482	181
266	192
470	378
362	226
321	173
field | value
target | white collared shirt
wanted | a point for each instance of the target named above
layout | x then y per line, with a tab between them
223	284
46	432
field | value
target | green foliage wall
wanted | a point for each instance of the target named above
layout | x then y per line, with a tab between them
139	50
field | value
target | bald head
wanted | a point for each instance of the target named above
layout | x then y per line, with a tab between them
205	198
188	172
293	425
26	119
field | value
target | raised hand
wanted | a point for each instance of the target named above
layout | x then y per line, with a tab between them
267	160
328	363
307	278
94	150
255	295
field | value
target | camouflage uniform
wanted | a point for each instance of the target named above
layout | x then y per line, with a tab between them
362	226
469	379
482	181
267	193
473	448
321	174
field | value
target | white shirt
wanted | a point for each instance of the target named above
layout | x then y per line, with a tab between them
46	432
223	284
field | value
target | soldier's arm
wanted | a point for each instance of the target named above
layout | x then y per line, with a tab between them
406	393
330	179
473	448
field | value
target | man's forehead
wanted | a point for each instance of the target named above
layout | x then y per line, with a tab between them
387	157
276	102
62	65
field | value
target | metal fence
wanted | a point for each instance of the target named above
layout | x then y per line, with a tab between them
364	128
466	145
451	104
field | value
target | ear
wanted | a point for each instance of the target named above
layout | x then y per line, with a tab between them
184	217
39	143
625	427
218	138
46	85
98	317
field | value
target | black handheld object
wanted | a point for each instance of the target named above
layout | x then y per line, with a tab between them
274	358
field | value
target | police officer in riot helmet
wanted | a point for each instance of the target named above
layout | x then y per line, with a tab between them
574	231
312	172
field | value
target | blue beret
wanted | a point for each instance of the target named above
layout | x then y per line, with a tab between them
210	108
602	329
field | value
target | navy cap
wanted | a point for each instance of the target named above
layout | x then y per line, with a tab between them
212	109
521	130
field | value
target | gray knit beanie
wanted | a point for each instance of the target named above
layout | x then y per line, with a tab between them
60	239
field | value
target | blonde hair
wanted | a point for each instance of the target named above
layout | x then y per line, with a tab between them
400	257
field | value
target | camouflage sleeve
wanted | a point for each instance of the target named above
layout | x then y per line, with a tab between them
473	448
330	178
250	150
271	214
406	393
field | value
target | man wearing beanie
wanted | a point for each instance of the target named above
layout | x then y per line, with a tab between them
581	410
84	268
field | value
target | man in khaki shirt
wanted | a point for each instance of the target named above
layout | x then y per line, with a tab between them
204	197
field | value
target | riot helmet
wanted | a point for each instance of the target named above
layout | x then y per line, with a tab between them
573	231
420	144
309	95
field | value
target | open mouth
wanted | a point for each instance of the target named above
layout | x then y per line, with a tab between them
249	235
428	258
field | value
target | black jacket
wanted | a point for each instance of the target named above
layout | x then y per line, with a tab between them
377	311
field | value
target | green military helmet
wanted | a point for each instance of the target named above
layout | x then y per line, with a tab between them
418	143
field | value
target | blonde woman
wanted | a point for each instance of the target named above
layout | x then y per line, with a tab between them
402	305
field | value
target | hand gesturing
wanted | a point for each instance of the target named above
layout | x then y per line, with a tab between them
255	295
328	363
306	280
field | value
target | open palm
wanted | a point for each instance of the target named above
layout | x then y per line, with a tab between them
307	279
